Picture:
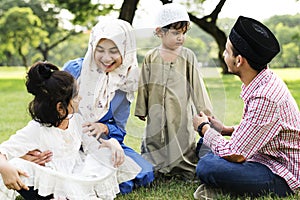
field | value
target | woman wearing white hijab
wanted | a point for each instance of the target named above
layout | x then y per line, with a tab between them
108	78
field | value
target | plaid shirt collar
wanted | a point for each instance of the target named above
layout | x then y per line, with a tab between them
260	79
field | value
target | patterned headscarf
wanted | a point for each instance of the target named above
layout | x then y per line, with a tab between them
96	87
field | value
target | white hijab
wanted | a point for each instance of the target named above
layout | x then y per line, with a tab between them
96	87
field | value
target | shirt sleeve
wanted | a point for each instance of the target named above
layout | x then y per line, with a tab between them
120	108
259	125
25	139
73	67
198	91
141	108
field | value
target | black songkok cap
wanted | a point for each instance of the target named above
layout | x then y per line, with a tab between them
254	41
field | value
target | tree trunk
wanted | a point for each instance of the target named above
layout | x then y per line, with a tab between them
44	53
219	36
128	10
209	24
23	57
45	48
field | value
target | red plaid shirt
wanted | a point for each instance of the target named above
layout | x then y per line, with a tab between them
269	132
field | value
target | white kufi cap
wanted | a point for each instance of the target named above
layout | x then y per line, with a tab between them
170	13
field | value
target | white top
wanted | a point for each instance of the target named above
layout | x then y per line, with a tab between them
70	173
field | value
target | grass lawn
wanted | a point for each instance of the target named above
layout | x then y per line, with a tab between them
224	92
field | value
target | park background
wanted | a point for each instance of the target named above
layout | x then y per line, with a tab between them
57	31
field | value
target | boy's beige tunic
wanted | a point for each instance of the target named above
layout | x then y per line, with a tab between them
165	95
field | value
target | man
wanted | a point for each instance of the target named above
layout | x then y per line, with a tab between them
263	153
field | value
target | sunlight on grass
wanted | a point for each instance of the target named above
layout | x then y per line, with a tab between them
12	72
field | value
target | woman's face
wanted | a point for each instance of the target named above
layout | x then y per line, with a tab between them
107	55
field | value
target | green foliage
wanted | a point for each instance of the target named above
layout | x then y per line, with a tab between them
85	12
290	58
49	12
75	47
286	28
22	30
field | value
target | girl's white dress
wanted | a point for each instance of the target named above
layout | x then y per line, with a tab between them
71	173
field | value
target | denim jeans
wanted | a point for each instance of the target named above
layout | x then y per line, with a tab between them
247	178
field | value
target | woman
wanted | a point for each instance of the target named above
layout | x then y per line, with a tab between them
108	78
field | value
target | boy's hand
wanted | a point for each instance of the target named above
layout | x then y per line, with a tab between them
142	118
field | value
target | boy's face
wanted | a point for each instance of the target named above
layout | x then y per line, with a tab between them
173	38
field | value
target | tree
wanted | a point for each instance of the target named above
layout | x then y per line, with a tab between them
209	24
20	30
49	22
128	10
85	12
289	59
286	29
48	11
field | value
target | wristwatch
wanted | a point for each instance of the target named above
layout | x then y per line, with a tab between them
200	127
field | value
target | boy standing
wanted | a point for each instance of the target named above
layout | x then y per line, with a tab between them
170	85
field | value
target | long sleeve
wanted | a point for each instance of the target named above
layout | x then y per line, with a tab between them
117	116
141	108
73	67
198	90
25	139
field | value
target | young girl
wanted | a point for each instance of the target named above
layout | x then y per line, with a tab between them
170	86
57	127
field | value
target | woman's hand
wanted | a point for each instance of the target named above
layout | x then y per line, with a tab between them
38	157
118	155
95	129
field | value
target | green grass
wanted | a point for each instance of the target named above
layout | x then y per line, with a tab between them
223	90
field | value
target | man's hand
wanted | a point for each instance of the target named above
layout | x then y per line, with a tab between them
38	157
198	119
218	126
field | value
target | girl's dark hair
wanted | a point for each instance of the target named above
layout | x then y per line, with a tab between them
177	26
49	87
